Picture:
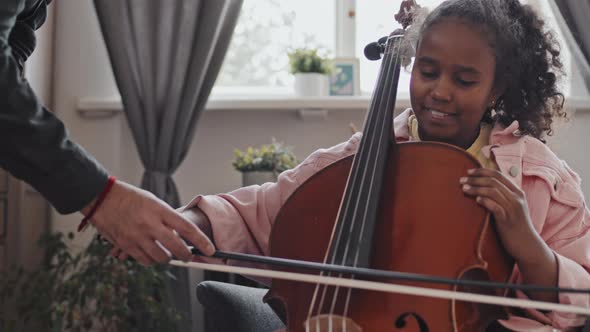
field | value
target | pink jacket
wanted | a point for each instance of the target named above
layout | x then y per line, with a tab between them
241	220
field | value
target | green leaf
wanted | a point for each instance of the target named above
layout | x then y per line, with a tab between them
274	157
76	290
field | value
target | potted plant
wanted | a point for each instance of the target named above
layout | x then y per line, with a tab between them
263	164
86	291
311	72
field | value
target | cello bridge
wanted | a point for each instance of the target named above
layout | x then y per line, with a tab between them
331	323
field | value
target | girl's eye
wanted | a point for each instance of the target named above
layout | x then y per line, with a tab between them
428	74
466	82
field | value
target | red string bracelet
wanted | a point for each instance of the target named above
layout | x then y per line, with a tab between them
101	198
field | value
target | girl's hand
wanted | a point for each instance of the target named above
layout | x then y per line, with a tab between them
508	204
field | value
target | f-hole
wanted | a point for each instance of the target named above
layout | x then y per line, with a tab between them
401	321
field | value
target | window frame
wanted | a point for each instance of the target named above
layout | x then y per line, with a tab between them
345	43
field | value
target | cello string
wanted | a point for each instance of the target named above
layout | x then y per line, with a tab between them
396	49
382	137
371	121
374	122
343	211
353	221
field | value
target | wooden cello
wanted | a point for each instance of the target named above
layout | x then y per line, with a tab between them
391	206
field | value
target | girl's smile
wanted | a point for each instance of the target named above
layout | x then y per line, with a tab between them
435	116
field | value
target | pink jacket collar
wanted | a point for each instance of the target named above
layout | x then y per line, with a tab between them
515	154
500	135
507	147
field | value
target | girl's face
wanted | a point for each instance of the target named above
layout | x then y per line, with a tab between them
452	82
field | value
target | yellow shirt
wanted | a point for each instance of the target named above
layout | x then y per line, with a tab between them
475	149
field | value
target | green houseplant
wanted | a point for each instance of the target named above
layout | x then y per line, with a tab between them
311	72
84	291
263	164
304	60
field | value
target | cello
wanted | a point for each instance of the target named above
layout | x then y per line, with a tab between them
361	212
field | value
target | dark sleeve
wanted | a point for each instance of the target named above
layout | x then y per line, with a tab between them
34	145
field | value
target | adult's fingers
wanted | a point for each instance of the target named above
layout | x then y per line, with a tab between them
134	219
140	256
154	252
170	243
189	232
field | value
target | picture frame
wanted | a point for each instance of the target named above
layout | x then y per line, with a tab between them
345	79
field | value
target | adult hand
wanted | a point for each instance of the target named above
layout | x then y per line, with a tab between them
198	218
133	220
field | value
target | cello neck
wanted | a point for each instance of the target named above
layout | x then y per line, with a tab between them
353	234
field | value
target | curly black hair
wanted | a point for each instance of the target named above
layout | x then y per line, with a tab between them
527	60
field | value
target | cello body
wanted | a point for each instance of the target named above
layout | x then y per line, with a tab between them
425	224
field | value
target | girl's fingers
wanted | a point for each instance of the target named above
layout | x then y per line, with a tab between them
492	206
487	192
493	197
490	173
492	179
484	181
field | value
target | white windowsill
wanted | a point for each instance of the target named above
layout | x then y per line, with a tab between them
100	108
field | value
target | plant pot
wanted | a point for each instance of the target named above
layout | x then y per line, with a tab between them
311	85
258	177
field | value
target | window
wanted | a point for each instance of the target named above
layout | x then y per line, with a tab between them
257	61
375	20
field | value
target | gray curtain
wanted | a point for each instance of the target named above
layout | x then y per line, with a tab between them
166	55
572	15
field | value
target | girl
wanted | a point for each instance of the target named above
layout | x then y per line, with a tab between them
484	79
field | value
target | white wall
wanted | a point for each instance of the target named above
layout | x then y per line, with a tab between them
39	67
81	67
82	70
